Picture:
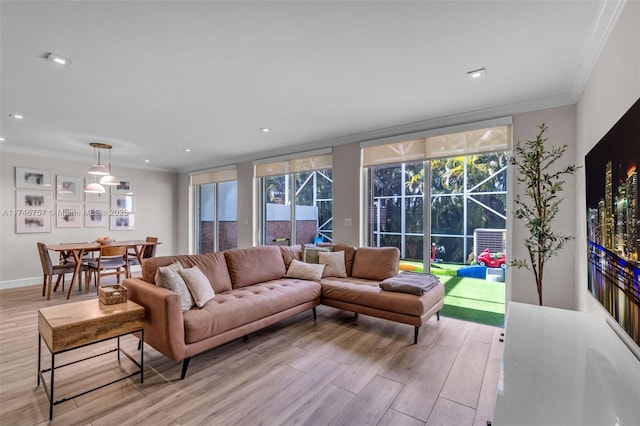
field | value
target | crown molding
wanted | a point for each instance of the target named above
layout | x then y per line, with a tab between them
610	11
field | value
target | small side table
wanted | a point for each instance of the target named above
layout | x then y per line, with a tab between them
75	325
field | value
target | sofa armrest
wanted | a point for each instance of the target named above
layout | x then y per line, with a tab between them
163	323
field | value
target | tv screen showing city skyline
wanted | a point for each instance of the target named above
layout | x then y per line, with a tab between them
613	221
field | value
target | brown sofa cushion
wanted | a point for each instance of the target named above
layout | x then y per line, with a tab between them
376	263
254	265
245	305
289	253
212	265
368	293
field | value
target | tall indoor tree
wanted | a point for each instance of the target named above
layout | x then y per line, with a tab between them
539	204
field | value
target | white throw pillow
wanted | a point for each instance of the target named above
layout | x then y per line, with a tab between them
169	278
334	262
305	271
198	284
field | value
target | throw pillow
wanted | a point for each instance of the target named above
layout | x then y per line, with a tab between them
198	285
334	262
169	278
305	271
310	253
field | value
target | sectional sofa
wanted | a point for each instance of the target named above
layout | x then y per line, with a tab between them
256	287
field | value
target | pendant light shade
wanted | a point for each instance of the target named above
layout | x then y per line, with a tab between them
95	188
109	180
98	169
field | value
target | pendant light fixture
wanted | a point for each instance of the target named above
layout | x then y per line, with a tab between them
109	179
98	169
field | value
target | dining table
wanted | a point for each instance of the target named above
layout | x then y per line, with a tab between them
78	250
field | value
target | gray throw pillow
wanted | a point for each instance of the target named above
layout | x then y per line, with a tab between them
310	253
169	278
198	284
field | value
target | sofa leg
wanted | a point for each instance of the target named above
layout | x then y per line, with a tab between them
356	314
185	365
315	314
416	330
438	315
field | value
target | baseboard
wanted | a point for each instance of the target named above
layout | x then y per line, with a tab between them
26	282
22	282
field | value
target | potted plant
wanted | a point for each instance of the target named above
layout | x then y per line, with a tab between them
538	205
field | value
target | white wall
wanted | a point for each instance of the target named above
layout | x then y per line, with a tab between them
614	85
155	215
559	272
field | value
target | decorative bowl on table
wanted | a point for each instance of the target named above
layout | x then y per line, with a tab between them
104	240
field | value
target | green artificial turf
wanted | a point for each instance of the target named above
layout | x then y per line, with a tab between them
473	299
469	299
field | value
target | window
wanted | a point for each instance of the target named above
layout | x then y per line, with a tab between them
296	206
466	191
215	211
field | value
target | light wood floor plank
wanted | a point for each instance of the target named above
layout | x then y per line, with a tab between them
465	378
298	372
369	406
448	413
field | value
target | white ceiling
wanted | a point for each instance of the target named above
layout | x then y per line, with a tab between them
153	78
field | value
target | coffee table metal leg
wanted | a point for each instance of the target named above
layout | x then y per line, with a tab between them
39	355
142	356
53	366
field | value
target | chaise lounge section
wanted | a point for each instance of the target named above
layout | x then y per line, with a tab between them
252	292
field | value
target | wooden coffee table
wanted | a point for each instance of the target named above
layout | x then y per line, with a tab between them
75	325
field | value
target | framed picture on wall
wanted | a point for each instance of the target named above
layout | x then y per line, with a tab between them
33	221
126	186
95	215
95	198
33	211
69	188
33	178
69	215
33	199
124	222
121	202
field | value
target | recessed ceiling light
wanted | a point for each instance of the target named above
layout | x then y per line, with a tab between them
57	59
146	161
16	116
1	139
265	129
475	74
186	150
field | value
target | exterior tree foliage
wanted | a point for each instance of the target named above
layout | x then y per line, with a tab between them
540	202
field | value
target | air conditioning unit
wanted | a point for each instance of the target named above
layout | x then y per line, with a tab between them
493	239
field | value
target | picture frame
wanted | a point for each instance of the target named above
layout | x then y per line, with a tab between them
122	202
33	178
31	199
124	222
69	188
33	221
95	215
33	211
69	215
95	198
126	186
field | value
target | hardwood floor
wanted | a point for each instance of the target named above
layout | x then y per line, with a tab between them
338	370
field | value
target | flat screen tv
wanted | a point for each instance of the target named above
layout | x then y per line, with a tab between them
613	221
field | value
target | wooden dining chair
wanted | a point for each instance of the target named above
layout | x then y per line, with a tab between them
49	270
66	258
148	252
112	260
